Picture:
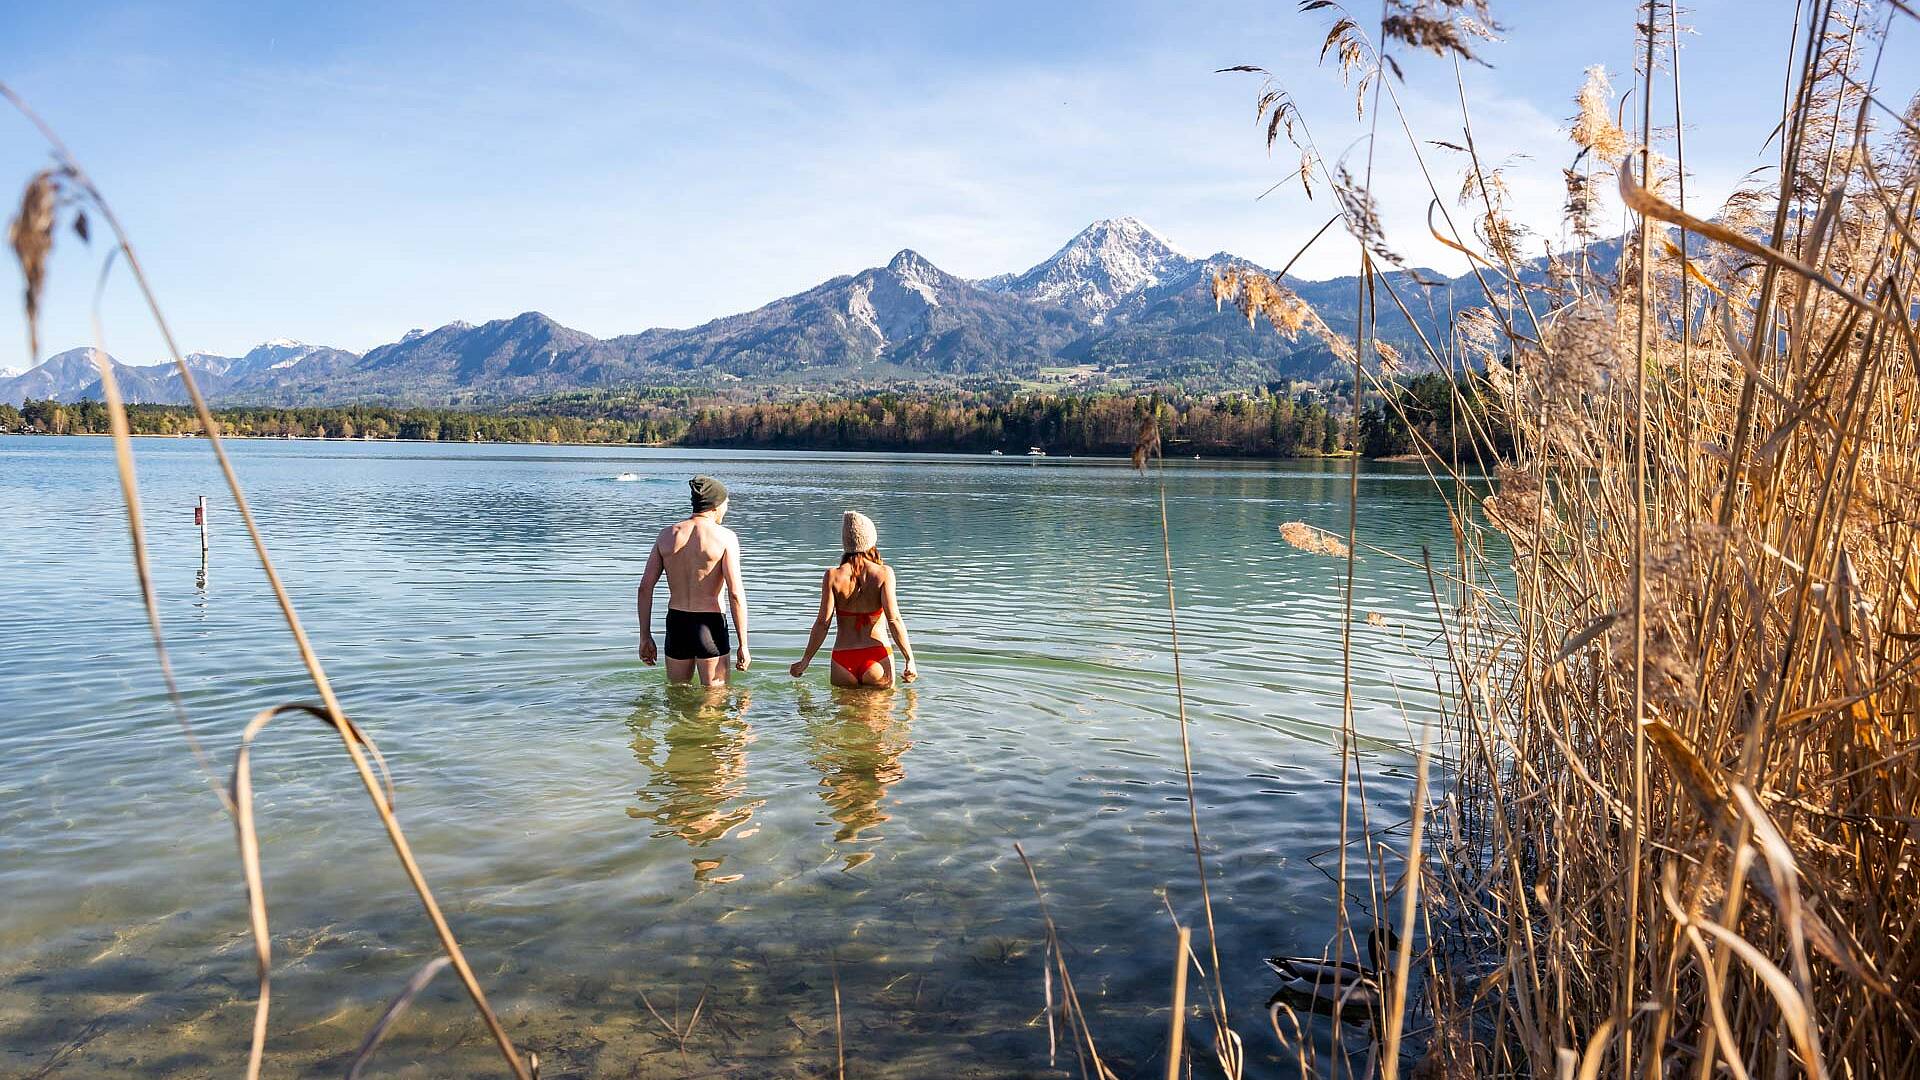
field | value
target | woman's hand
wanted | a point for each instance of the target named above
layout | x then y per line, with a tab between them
799	668
912	672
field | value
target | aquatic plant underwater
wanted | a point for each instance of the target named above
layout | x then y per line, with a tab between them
1676	776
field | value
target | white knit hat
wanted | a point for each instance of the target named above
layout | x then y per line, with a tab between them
857	533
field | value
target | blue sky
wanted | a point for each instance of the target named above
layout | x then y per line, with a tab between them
342	172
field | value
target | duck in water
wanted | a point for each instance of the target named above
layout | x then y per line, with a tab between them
1323	985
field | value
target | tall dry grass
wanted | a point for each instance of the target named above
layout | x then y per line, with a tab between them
1683	725
1680	746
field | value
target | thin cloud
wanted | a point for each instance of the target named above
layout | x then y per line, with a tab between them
620	167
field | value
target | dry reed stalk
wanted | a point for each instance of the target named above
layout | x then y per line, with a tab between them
1054	964
680	1033
839	1026
1177	1030
30	235
1396	988
388	1016
1228	1048
137	535
1745	579
1711	648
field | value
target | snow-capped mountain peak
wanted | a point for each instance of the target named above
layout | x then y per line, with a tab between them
1110	260
212	363
1117	305
275	355
1126	231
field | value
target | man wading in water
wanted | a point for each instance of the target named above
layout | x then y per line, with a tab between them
700	558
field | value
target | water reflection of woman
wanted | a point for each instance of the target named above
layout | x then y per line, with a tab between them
697	766
856	741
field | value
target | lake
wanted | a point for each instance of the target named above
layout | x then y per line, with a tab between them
609	850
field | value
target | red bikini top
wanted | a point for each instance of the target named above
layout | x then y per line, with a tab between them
872	617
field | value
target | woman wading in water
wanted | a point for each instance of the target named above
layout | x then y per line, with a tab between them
860	592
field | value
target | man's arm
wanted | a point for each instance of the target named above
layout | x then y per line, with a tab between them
656	565
737	599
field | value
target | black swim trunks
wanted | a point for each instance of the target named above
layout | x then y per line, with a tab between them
696	635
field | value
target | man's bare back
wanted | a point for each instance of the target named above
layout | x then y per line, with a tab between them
700	558
693	553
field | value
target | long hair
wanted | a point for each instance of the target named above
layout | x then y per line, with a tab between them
872	554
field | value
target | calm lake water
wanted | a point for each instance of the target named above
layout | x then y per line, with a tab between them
603	845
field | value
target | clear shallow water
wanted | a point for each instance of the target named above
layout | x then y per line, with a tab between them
602	843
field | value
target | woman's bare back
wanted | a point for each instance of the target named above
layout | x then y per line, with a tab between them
857	588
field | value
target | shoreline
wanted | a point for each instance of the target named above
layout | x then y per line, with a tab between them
1341	455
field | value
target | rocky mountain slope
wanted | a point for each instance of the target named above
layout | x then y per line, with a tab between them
1117	302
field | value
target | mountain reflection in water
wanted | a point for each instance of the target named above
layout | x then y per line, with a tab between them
856	738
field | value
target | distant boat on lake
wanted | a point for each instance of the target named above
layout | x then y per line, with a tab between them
995	453
1034	451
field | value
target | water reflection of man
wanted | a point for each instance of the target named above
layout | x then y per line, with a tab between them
697	768
857	739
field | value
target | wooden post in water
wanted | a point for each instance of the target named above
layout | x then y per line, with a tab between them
200	519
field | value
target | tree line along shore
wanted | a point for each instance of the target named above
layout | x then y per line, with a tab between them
1423	413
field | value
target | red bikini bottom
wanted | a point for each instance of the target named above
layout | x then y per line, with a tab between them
857	662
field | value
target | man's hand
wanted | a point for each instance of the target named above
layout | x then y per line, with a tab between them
799	668
649	652
744	660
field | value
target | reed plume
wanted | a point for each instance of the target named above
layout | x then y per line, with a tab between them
1684	739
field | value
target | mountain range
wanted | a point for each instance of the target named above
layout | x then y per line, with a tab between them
1117	304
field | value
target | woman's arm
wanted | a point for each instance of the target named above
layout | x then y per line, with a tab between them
897	626
820	624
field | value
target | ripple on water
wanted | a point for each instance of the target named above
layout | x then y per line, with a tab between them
596	837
